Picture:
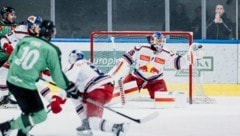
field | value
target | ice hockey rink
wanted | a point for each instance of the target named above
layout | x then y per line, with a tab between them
219	119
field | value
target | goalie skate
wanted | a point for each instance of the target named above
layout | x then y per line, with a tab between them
120	129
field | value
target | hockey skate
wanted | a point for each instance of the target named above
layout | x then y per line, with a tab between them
120	129
7	102
5	129
84	129
20	133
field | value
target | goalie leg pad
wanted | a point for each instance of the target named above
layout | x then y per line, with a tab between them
129	89
156	86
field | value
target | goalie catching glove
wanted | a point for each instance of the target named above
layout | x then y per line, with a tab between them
72	91
55	104
195	52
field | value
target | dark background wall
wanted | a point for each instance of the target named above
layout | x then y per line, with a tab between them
78	18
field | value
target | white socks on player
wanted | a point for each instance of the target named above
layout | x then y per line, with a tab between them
80	108
98	124
46	92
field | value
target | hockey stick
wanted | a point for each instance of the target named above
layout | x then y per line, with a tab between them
137	120
49	108
122	94
114	48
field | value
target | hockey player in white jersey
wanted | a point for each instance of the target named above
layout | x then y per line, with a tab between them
150	61
8	43
97	86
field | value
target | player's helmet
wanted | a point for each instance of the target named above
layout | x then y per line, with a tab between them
47	29
157	41
74	56
7	10
33	21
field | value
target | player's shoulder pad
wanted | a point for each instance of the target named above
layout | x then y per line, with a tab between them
168	51
22	28
138	47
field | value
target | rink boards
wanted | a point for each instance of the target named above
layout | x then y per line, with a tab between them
209	89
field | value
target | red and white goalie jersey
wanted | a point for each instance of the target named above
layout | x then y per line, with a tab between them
149	63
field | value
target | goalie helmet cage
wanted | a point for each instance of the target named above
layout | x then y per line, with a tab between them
107	46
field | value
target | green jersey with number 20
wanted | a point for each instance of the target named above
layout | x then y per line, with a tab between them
31	56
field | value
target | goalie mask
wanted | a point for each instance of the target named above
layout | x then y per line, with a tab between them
74	56
157	41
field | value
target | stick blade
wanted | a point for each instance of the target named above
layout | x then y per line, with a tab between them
149	117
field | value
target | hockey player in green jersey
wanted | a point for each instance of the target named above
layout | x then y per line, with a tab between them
8	43
6	25
31	56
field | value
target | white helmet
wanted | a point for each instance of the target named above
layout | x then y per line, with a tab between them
157	40
74	56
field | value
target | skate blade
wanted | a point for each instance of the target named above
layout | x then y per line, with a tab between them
85	133
9	106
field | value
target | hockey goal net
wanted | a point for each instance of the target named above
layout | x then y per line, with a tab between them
106	47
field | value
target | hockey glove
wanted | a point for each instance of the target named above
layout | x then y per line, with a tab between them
6	65
46	72
8	48
72	91
56	102
196	46
198	51
195	52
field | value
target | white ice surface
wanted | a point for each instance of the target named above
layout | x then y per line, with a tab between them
219	119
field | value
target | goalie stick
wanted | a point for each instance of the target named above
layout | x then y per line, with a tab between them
114	48
137	120
122	94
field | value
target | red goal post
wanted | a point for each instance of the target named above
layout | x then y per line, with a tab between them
108	44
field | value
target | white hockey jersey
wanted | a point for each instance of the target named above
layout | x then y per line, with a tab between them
86	76
15	35
149	63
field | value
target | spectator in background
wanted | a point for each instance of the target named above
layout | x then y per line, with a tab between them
220	26
179	19
196	24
